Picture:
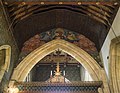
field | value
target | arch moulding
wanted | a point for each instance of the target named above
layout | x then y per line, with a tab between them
115	65
5	67
96	72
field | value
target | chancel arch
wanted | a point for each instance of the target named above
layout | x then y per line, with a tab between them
96	72
5	54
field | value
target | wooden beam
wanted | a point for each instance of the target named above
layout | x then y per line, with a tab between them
62	2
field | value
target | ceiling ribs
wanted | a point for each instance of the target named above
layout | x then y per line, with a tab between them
100	11
110	3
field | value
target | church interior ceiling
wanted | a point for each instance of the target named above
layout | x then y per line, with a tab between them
91	19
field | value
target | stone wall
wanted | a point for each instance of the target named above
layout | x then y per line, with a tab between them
6	38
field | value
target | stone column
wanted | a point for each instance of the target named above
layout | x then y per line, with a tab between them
115	65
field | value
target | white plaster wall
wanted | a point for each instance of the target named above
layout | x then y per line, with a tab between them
85	76
82	73
106	46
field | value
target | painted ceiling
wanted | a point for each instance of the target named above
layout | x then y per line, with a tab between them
91	19
59	33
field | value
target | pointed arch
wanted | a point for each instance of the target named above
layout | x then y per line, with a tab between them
96	72
34	57
5	66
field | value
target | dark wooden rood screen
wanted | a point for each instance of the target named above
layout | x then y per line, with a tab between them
42	87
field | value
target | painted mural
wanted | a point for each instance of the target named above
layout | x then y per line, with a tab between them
59	33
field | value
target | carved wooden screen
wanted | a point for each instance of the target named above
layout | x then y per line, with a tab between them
79	87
